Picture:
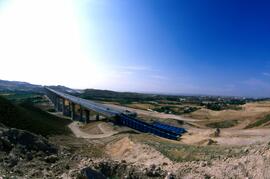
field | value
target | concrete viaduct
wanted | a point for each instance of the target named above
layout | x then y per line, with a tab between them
78	108
81	110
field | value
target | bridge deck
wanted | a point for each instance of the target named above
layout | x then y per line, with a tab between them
107	111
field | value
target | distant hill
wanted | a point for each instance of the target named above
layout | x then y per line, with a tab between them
64	89
108	93
18	86
94	94
122	97
11	86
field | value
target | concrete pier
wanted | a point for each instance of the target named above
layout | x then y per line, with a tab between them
81	114
73	112
87	116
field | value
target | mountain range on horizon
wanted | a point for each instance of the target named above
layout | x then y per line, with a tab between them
20	86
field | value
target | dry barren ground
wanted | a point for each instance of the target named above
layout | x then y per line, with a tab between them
135	153
104	130
228	137
249	111
232	136
236	153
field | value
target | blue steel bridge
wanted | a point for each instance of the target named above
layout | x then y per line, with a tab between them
81	109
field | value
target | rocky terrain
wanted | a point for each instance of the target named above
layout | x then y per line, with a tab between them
252	163
26	155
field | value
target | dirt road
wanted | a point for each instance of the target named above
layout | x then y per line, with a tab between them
75	128
231	137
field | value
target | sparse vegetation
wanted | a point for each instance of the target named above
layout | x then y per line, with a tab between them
29	111
120	97
28	117
223	124
183	153
129	98
176	109
143	106
259	122
218	106
19	97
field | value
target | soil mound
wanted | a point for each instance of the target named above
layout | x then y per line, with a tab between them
137	153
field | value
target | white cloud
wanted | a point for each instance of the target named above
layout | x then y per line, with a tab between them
266	74
159	77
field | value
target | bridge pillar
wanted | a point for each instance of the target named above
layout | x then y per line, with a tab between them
53	100
97	117
87	116
60	104
69	109
81	114
64	109
57	103
73	112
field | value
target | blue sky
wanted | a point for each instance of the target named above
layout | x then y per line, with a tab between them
189	46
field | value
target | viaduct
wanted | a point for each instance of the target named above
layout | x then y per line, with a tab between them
81	109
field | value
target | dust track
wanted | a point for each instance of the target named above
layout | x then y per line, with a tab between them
228	137
75	128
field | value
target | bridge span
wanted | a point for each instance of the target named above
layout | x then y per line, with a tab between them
81	109
78	108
